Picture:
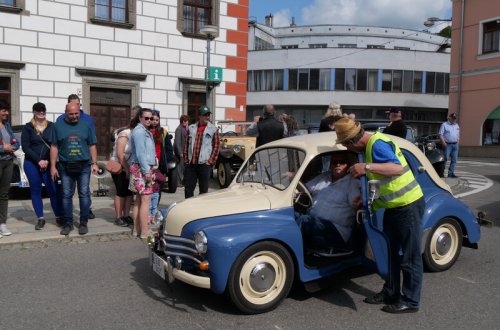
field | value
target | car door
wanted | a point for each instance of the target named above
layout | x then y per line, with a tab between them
377	247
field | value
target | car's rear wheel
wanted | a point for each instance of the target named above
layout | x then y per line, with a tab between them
261	277
443	245
224	173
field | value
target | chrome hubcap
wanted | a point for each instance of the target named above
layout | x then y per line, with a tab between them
443	244
262	277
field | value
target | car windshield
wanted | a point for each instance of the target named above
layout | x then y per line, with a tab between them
231	128
274	167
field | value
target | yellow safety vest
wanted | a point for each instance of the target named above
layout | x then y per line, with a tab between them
395	191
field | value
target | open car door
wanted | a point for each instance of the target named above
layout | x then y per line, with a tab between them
377	245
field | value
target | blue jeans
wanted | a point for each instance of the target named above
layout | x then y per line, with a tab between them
451	154
403	228
36	178
153	206
81	179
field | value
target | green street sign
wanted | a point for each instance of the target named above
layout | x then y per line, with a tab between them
213	74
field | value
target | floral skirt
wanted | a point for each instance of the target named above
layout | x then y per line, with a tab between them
138	183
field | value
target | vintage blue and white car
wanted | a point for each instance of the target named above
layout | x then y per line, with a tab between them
244	240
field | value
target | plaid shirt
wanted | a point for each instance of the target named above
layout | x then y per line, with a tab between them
197	148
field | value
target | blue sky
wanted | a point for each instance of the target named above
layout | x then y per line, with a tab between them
389	13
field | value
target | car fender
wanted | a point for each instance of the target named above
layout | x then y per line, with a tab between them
435	155
228	236
441	206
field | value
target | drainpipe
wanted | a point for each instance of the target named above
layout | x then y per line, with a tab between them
460	65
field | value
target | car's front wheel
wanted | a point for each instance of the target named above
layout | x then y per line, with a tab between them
261	277
224	173
443	245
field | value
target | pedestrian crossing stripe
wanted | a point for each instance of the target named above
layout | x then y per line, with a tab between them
476	183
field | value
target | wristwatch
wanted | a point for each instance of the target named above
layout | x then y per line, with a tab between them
367	168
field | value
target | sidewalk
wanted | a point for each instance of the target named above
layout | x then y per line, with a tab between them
22	220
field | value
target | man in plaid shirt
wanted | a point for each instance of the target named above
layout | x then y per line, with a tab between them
201	150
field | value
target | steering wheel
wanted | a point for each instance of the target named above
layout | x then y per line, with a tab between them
230	133
300	191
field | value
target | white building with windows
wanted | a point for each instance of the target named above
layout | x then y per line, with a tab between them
116	54
367	69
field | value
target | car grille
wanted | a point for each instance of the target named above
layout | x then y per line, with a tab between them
174	246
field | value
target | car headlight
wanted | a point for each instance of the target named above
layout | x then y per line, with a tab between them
431	146
200	242
159	218
236	148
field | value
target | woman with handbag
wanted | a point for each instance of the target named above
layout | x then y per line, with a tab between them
35	143
141	163
119	170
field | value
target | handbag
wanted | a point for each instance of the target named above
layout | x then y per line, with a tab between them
113	167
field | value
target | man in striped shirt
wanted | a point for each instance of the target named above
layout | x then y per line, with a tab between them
201	150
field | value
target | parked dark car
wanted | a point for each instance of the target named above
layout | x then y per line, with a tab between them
379	127
432	148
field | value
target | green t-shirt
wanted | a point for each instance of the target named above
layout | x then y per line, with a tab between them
73	140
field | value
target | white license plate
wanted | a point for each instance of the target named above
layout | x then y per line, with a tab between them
158	265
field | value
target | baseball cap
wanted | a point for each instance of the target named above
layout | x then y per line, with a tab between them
204	110
393	110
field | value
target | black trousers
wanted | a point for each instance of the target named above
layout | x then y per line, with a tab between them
196	173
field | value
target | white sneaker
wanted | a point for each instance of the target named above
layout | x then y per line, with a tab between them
4	231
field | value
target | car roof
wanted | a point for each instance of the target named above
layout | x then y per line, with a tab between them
318	143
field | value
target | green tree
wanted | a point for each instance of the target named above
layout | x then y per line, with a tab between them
446	32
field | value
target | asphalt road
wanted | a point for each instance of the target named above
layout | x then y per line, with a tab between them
109	285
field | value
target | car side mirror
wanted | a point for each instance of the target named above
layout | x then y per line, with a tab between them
373	191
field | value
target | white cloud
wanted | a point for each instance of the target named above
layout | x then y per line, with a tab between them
402	13
282	18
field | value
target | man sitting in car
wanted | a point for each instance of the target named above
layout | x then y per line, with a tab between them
328	223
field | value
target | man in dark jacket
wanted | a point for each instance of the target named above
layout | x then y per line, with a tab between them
397	127
267	129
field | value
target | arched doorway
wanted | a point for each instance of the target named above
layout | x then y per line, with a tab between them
491	128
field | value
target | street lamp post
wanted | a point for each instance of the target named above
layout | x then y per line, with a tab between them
210	32
432	20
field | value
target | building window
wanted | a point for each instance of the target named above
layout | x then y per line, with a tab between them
10	89
401	48
289	46
417	82
387	80
117	13
430	82
375	46
407	81
348	46
397	80
439	83
5	89
324	79
261	44
340	79
292	79
361	81
12	6
303	79
278	80
372	80
317	45
350	79
192	15
111	10
491	36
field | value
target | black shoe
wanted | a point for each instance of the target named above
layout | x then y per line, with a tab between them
91	215
378	299
59	221
452	176
83	229
66	230
128	219
399	309
120	222
40	224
